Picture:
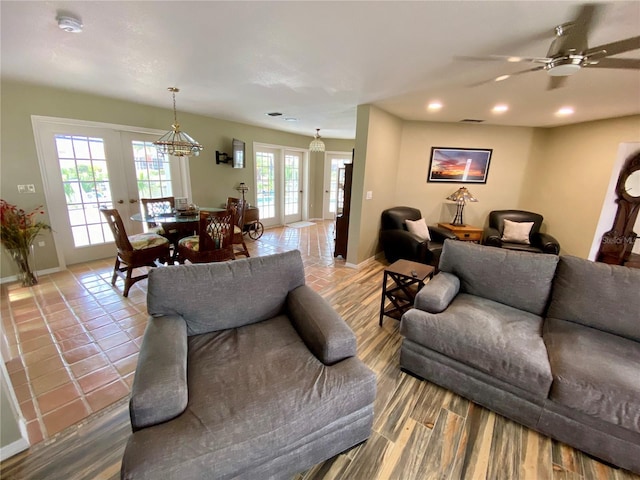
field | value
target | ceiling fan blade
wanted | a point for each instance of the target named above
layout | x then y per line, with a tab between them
503	58
615	48
504	77
626	63
573	38
556	82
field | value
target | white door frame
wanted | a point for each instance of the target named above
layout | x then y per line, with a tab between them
42	123
279	172
326	184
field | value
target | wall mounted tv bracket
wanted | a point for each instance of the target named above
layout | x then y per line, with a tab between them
223	158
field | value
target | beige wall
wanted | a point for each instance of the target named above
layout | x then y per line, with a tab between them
511	151
569	177
211	183
562	173
378	140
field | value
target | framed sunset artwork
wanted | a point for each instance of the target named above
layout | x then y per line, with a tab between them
459	165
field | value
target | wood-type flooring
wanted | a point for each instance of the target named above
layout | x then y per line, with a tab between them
421	431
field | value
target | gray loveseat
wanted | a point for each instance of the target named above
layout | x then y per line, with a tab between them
550	342
244	372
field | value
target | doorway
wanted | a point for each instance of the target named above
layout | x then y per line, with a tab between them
281	180
87	166
334	161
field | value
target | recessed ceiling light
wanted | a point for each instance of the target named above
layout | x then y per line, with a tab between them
291	119
500	108
564	111
502	77
434	106
514	59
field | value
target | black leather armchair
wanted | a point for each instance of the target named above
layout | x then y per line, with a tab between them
398	242
539	242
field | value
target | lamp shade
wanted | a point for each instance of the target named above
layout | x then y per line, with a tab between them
462	195
316	144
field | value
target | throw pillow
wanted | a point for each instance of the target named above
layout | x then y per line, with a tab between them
418	228
516	232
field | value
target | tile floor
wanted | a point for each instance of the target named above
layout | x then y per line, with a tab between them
74	339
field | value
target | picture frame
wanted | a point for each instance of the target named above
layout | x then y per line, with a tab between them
459	165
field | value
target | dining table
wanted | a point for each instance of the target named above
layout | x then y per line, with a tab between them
176	225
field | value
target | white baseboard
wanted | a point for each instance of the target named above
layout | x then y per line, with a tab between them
13	449
366	262
13	278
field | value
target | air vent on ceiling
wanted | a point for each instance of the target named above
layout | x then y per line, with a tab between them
471	120
274	114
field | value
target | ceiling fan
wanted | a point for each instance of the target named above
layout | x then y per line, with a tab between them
569	52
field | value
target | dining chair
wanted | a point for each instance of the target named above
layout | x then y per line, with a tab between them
134	251
154	207
214	242
240	248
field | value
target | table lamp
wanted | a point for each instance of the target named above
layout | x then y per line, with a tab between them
461	196
242	188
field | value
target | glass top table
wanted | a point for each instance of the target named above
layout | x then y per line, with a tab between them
174	217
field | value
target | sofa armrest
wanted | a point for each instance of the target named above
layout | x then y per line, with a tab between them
491	237
159	391
547	243
438	293
439	234
324	332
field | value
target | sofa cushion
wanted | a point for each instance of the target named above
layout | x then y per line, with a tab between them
606	297
519	279
497	339
595	372
269	392
204	294
419	228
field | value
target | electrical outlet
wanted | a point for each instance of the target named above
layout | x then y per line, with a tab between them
369	195
22	189
31	188
41	243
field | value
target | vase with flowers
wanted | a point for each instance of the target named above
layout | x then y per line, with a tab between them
18	229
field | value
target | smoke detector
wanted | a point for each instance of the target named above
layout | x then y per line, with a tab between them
69	24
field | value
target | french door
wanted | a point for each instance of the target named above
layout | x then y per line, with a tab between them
87	167
280	181
334	161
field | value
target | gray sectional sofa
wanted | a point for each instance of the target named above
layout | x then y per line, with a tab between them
244	373
550	342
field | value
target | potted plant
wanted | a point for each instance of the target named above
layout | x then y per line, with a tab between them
18	229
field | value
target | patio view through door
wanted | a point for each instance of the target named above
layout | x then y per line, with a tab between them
333	162
87	168
279	175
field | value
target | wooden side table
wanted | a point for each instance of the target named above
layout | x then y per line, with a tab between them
466	233
407	279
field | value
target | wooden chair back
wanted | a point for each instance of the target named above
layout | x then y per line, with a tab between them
216	237
238	236
117	229
152	207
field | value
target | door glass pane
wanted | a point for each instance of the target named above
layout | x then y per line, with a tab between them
84	197
265	184
153	172
336	164
291	184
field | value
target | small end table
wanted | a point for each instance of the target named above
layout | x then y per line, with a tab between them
407	279
466	233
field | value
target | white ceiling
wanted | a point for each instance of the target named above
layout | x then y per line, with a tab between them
316	61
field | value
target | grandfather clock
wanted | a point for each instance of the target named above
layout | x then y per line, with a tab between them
618	242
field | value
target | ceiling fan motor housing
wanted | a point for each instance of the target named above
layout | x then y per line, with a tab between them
566	65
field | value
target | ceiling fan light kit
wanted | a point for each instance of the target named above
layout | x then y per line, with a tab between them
569	52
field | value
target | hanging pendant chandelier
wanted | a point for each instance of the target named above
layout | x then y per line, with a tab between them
316	144
175	142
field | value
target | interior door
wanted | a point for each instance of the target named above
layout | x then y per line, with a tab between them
86	168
